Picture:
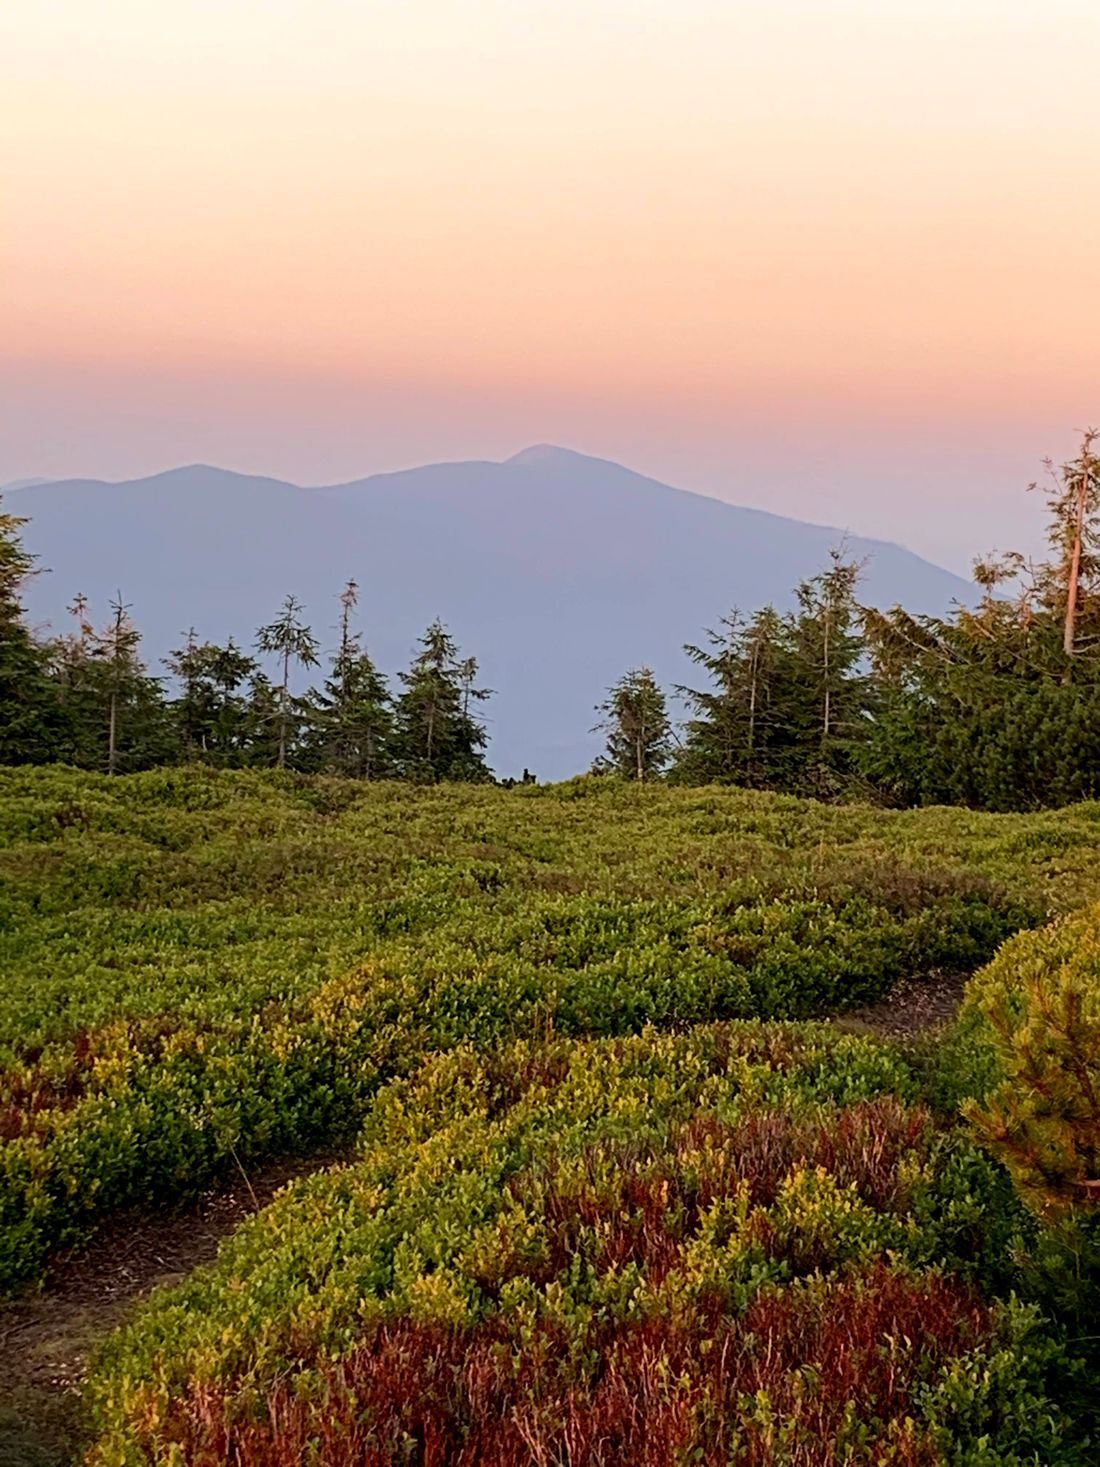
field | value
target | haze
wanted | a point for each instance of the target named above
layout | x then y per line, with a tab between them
837	261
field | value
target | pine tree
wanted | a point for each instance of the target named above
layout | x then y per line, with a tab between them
213	713
997	705
635	720
1043	1119
352	714
32	721
1069	581
117	719
293	641
737	731
435	735
828	718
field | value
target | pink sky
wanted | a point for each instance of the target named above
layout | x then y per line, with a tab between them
838	260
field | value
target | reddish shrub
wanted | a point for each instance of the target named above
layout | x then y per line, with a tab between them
653	1202
642	1393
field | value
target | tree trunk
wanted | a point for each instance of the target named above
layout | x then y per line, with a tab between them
283	712
1069	640
112	731
828	707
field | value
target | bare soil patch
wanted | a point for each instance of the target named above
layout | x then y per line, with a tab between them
46	1337
913	1006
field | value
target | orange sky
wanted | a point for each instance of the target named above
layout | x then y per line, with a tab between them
736	244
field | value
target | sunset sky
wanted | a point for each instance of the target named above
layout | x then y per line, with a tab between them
837	258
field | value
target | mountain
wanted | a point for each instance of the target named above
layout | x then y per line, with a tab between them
556	570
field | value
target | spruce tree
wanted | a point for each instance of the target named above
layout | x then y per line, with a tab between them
829	719
118	649
789	697
738	731
998	705
117	719
635	720
32	721
293	642
263	721
351	722
1069	580
213	712
435	734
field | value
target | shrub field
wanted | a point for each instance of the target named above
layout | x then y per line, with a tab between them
203	969
609	1204
743	1244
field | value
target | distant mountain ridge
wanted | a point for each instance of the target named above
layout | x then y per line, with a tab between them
558	571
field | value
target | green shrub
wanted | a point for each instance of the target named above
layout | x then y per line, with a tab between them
1039	1002
204	966
749	1213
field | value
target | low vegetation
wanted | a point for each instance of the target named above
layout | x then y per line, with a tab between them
743	1244
207	968
608	1204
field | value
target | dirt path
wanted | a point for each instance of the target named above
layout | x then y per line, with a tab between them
45	1337
913	1006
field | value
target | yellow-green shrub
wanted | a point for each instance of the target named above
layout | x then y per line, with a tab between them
1037	1007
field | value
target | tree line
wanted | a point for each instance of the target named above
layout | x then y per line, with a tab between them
995	705
86	698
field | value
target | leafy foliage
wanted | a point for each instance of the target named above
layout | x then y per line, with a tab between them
202	965
708	1247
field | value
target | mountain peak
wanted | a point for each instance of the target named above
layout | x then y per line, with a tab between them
544	453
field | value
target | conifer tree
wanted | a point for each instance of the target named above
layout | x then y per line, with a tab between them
351	714
435	735
1069	580
182	662
293	642
32	721
998	705
635	720
263	721
118	648
213	713
737	731
116	715
789	698
1042	1019
826	650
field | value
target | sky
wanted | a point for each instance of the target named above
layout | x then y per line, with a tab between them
838	260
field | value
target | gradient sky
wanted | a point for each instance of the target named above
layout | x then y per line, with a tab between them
837	258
